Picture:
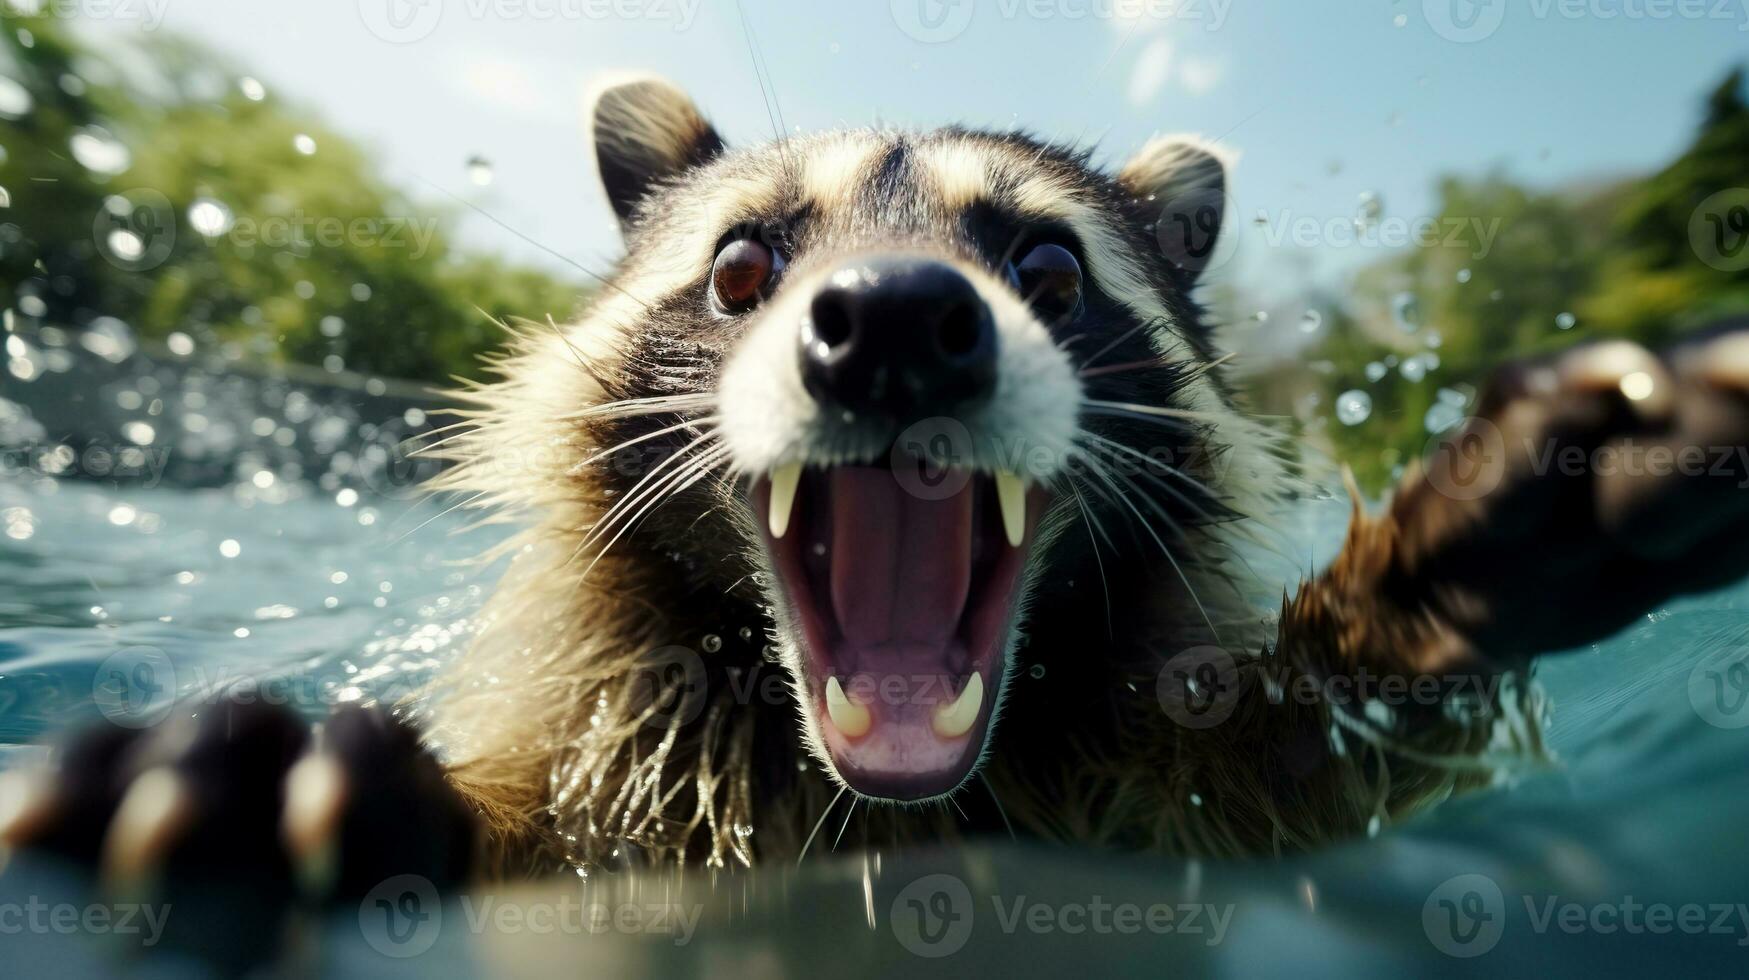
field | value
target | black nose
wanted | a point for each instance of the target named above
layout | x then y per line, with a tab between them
898	336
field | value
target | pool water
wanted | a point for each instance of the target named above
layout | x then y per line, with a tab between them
328	595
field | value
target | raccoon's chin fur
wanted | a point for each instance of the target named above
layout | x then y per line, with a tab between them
901	610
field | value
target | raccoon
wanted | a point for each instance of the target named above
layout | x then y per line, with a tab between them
895	487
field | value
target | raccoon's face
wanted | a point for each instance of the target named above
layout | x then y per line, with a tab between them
902	338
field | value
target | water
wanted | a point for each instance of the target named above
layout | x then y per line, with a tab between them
211	586
329	595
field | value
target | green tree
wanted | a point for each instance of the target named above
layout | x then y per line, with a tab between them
1617	261
278	238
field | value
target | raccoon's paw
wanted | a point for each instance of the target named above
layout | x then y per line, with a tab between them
1588	488
238	817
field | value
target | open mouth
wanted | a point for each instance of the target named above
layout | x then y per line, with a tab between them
904	596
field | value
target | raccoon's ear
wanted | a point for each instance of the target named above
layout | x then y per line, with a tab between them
1184	179
645	130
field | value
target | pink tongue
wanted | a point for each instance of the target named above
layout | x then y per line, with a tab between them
901	566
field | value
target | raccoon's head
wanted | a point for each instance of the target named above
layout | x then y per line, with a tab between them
914	351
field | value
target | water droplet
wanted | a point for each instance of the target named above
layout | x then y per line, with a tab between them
1566	321
1368	211
1406	310
108	338
230	548
5	196
125	245
304	143
1375	372
99	152
1433	338
1037	672
1353	407
1442	415
15	99
180	344
712	643
1464	275
252	90
745	633
209	218
139	433
1311	321
479	171
1414	370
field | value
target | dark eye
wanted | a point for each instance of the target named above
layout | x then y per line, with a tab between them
1049	279
743	274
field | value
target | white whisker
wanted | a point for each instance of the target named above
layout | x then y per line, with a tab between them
819	823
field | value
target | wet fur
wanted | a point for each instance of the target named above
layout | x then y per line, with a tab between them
544	720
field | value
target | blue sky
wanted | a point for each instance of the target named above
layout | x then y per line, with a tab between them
1322	99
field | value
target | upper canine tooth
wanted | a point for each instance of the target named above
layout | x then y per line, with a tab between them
783	496
848	717
1011	494
956	719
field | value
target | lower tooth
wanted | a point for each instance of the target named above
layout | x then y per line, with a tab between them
956	719
850	718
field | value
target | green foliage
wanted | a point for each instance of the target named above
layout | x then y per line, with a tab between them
320	258
1620	261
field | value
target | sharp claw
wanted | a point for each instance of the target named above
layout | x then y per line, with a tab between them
27	806
1725	362
315	798
153	813
1625	368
